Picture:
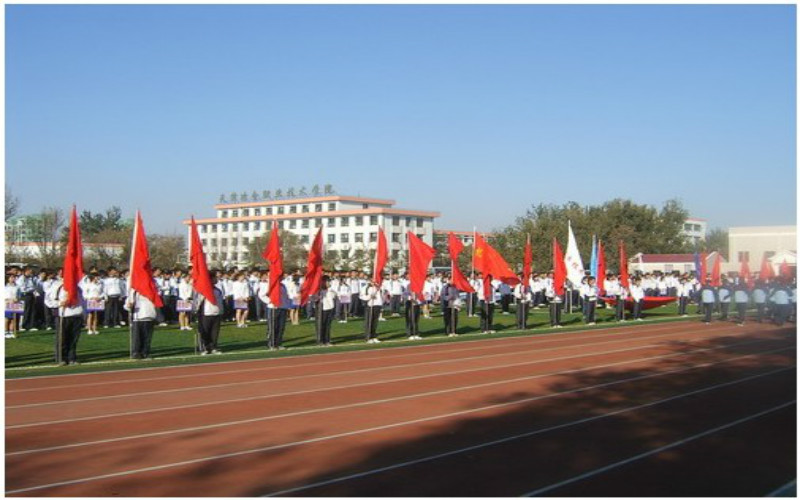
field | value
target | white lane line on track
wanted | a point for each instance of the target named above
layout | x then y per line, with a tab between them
508	439
660	449
395	425
348	386
430	352
344	372
356	405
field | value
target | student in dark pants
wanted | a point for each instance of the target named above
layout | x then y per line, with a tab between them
276	320
70	322
413	310
741	299
781	300
209	320
556	303
373	301
27	288
724	294
486	293
143	317
523	297
325	308
760	300
708	297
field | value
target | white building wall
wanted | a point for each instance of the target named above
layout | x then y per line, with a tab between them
755	241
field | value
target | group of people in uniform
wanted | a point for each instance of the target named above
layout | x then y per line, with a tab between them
37	300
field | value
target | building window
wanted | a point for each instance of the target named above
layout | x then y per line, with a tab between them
744	256
223	214
408	221
373	220
223	242
331	222
359	238
419	221
256	212
345	221
359	220
304	209
256	226
292	224
318	207
245	212
234	242
331	207
245	226
292	209
280	210
304	223
373	237
395	237
687	227
281	224
246	241
365	206
345	238
395	254
396	220
213	227
331	238
269	211
769	255
223	228
234	213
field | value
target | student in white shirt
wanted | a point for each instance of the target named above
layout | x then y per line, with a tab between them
325	309
112	285
12	296
143	317
92	291
373	299
589	295
523	298
637	294
51	301
241	297
428	292
185	293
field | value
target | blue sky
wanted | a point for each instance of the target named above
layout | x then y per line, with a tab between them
474	111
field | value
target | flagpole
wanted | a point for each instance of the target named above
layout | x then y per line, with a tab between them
132	311
472	269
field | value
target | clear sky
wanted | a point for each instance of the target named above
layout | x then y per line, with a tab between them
474	111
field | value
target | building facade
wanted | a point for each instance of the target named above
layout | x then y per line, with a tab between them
349	223
777	243
695	230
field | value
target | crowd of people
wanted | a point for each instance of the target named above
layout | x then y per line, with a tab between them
36	300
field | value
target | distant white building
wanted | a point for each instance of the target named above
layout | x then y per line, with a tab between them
777	243
34	249
349	222
695	230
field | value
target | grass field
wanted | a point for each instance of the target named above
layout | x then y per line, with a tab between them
31	354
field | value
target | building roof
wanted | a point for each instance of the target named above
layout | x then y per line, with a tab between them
312	215
307	199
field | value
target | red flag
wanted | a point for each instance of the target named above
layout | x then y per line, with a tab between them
703	268
559	269
73	260
766	272
527	262
487	287
784	272
623	266
601	266
201	279
744	274
716	278
455	247
420	255
272	254
381	255
141	272
313	277
489	261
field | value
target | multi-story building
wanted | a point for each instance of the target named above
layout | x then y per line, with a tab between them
350	223
694	230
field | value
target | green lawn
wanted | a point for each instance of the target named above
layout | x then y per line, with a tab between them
31	354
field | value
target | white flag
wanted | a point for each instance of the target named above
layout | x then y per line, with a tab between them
572	260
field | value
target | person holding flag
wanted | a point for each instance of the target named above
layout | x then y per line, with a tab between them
485	292
420	255
555	287
144	297
523	298
324	311
372	293
277	296
69	297
209	300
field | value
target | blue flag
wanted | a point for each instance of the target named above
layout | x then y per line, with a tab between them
593	262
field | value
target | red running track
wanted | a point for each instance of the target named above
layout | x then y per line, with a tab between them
670	409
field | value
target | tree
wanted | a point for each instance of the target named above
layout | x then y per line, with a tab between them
12	204
643	228
46	238
95	223
295	256
166	251
716	240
